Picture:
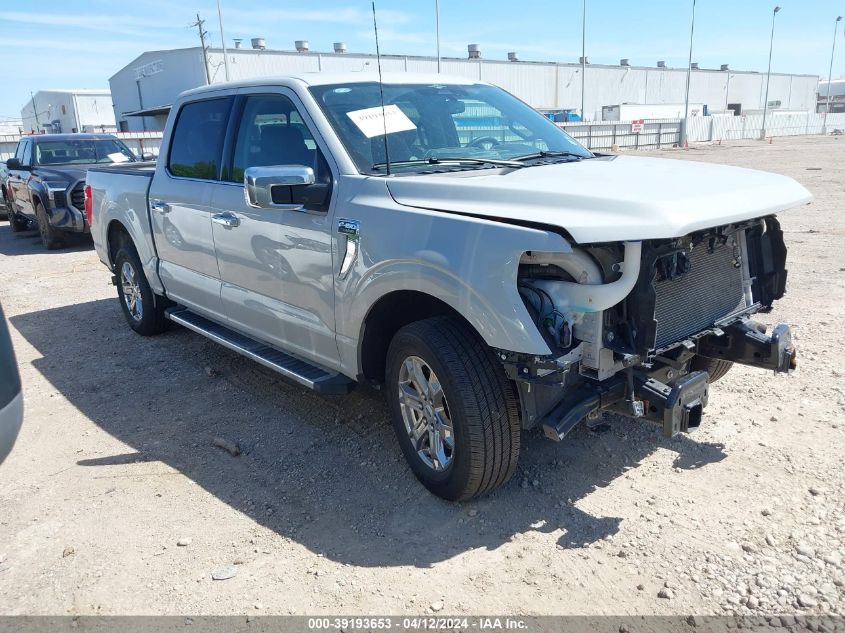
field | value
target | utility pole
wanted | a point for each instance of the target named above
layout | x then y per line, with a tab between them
768	76
830	73
437	27
223	39
684	124
34	110
583	55
203	34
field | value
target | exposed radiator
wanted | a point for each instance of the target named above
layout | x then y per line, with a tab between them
709	291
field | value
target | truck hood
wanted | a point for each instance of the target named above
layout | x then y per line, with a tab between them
63	174
608	199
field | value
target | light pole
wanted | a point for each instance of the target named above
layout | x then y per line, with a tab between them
768	75
223	40
437	28
830	74
689	74
583	55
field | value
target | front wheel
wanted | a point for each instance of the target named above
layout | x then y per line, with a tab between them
455	413
143	313
50	237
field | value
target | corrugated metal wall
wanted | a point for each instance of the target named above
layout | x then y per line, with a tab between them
546	86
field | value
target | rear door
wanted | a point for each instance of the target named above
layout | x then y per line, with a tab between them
276	263
180	199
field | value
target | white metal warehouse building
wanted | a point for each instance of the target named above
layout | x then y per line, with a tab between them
63	111
151	82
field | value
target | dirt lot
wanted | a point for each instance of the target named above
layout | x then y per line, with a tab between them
115	468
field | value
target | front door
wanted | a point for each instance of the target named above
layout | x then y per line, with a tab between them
18	179
276	264
180	199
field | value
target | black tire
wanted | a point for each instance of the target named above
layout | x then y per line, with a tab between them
713	366
482	404
50	237
17	223
148	318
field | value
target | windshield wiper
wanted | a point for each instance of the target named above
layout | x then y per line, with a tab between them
443	160
550	154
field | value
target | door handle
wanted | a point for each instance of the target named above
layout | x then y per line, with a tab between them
229	220
160	206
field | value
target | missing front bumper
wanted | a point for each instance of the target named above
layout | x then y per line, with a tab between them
747	343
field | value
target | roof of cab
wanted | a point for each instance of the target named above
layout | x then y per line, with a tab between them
76	136
330	78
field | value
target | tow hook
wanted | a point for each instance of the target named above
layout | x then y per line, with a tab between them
747	343
678	408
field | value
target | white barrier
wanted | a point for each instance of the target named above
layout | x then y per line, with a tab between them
726	128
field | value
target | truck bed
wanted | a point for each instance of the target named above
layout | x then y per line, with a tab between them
146	169
120	194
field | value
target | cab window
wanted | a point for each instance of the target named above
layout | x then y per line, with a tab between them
197	143
272	132
27	154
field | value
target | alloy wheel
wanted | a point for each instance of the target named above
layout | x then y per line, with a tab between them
131	291
425	412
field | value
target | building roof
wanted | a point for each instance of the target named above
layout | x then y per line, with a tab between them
483	60
153	111
79	91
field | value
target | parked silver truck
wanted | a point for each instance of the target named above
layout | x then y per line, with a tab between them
439	238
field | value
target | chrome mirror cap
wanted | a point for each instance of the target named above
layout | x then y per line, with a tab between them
259	183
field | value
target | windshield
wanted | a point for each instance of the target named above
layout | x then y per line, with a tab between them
433	121
82	152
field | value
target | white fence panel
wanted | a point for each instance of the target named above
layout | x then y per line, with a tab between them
729	128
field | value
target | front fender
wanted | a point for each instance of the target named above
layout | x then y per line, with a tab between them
37	194
469	263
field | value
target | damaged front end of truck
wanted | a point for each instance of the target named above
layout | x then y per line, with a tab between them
635	326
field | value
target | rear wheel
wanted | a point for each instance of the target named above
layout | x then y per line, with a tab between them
50	237
144	312
717	368
455	413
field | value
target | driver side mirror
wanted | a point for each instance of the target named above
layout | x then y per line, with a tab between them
271	187
14	163
148	156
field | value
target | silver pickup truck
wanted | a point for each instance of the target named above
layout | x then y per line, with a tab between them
439	238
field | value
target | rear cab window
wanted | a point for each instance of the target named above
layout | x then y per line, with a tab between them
196	146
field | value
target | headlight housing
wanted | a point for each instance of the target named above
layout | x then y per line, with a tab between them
56	193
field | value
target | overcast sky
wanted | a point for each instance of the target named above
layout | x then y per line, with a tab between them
81	43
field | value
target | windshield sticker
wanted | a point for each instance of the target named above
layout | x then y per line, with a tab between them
117	157
372	123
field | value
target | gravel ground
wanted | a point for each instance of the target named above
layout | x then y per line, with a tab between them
116	500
